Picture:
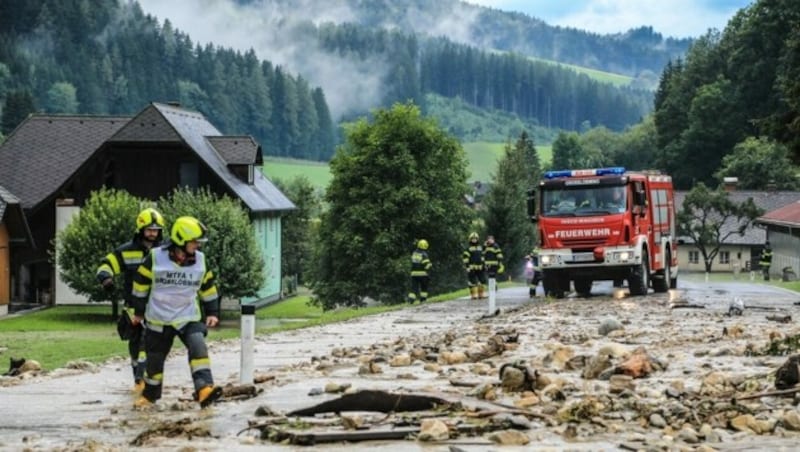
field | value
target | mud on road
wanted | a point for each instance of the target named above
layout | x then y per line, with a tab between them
664	372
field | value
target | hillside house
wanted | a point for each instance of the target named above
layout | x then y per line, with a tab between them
739	252
52	163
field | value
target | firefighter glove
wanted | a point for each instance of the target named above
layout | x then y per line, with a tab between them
108	285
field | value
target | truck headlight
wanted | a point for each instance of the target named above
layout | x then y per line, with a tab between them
546	259
624	255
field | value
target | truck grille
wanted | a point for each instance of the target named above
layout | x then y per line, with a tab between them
583	243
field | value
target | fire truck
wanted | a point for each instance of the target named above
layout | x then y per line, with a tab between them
605	224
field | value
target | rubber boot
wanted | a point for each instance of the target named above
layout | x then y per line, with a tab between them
208	395
473	293
481	294
142	403
138	387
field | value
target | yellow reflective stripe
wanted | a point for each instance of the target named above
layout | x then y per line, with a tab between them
140	290
155	380
207	276
105	268
132	257
200	364
419	273
142	356
112	259
146	272
210	294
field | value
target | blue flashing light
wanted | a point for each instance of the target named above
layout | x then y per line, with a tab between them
613	170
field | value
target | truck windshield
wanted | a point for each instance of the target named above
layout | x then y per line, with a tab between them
583	201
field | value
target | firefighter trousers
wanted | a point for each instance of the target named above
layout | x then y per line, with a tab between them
419	289
137	352
158	345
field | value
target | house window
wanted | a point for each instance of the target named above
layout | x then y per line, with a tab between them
189	176
694	257
724	257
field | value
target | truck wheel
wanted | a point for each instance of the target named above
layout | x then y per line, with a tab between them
552	286
673	282
661	284
639	281
583	287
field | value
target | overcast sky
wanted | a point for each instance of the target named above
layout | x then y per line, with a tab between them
676	18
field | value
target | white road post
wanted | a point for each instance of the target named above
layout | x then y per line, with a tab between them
492	291
248	341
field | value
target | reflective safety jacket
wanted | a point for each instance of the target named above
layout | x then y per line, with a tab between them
125	259
167	293
420	263
473	257
766	257
493	258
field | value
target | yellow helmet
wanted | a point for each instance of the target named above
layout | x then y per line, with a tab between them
473	236
422	244
149	218
186	229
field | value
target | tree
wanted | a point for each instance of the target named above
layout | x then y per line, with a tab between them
296	226
759	162
709	217
396	179
61	98
18	105
232	251
105	222
505	214
567	151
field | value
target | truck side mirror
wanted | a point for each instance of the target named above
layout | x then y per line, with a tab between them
532	205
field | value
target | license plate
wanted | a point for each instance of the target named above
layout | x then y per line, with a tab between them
585	257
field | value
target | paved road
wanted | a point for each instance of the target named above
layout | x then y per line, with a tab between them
75	411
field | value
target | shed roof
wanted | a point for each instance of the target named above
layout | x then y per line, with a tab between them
788	215
45	150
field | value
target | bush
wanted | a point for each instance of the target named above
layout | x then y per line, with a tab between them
106	221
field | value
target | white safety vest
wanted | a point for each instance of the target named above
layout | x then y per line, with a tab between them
173	294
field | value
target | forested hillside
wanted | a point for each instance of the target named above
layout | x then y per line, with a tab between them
108	57
743	82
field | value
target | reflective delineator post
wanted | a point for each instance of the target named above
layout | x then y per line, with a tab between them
492	291
248	340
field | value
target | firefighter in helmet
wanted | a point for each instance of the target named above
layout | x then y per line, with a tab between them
169	288
420	267
493	258
472	257
125	260
765	260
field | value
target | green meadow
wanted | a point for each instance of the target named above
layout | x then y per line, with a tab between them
482	156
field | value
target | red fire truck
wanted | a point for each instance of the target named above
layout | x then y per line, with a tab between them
605	224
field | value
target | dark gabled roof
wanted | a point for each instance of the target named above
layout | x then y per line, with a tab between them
766	200
13	216
788	215
45	150
195	130
237	150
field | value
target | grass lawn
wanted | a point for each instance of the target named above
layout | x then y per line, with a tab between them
481	155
